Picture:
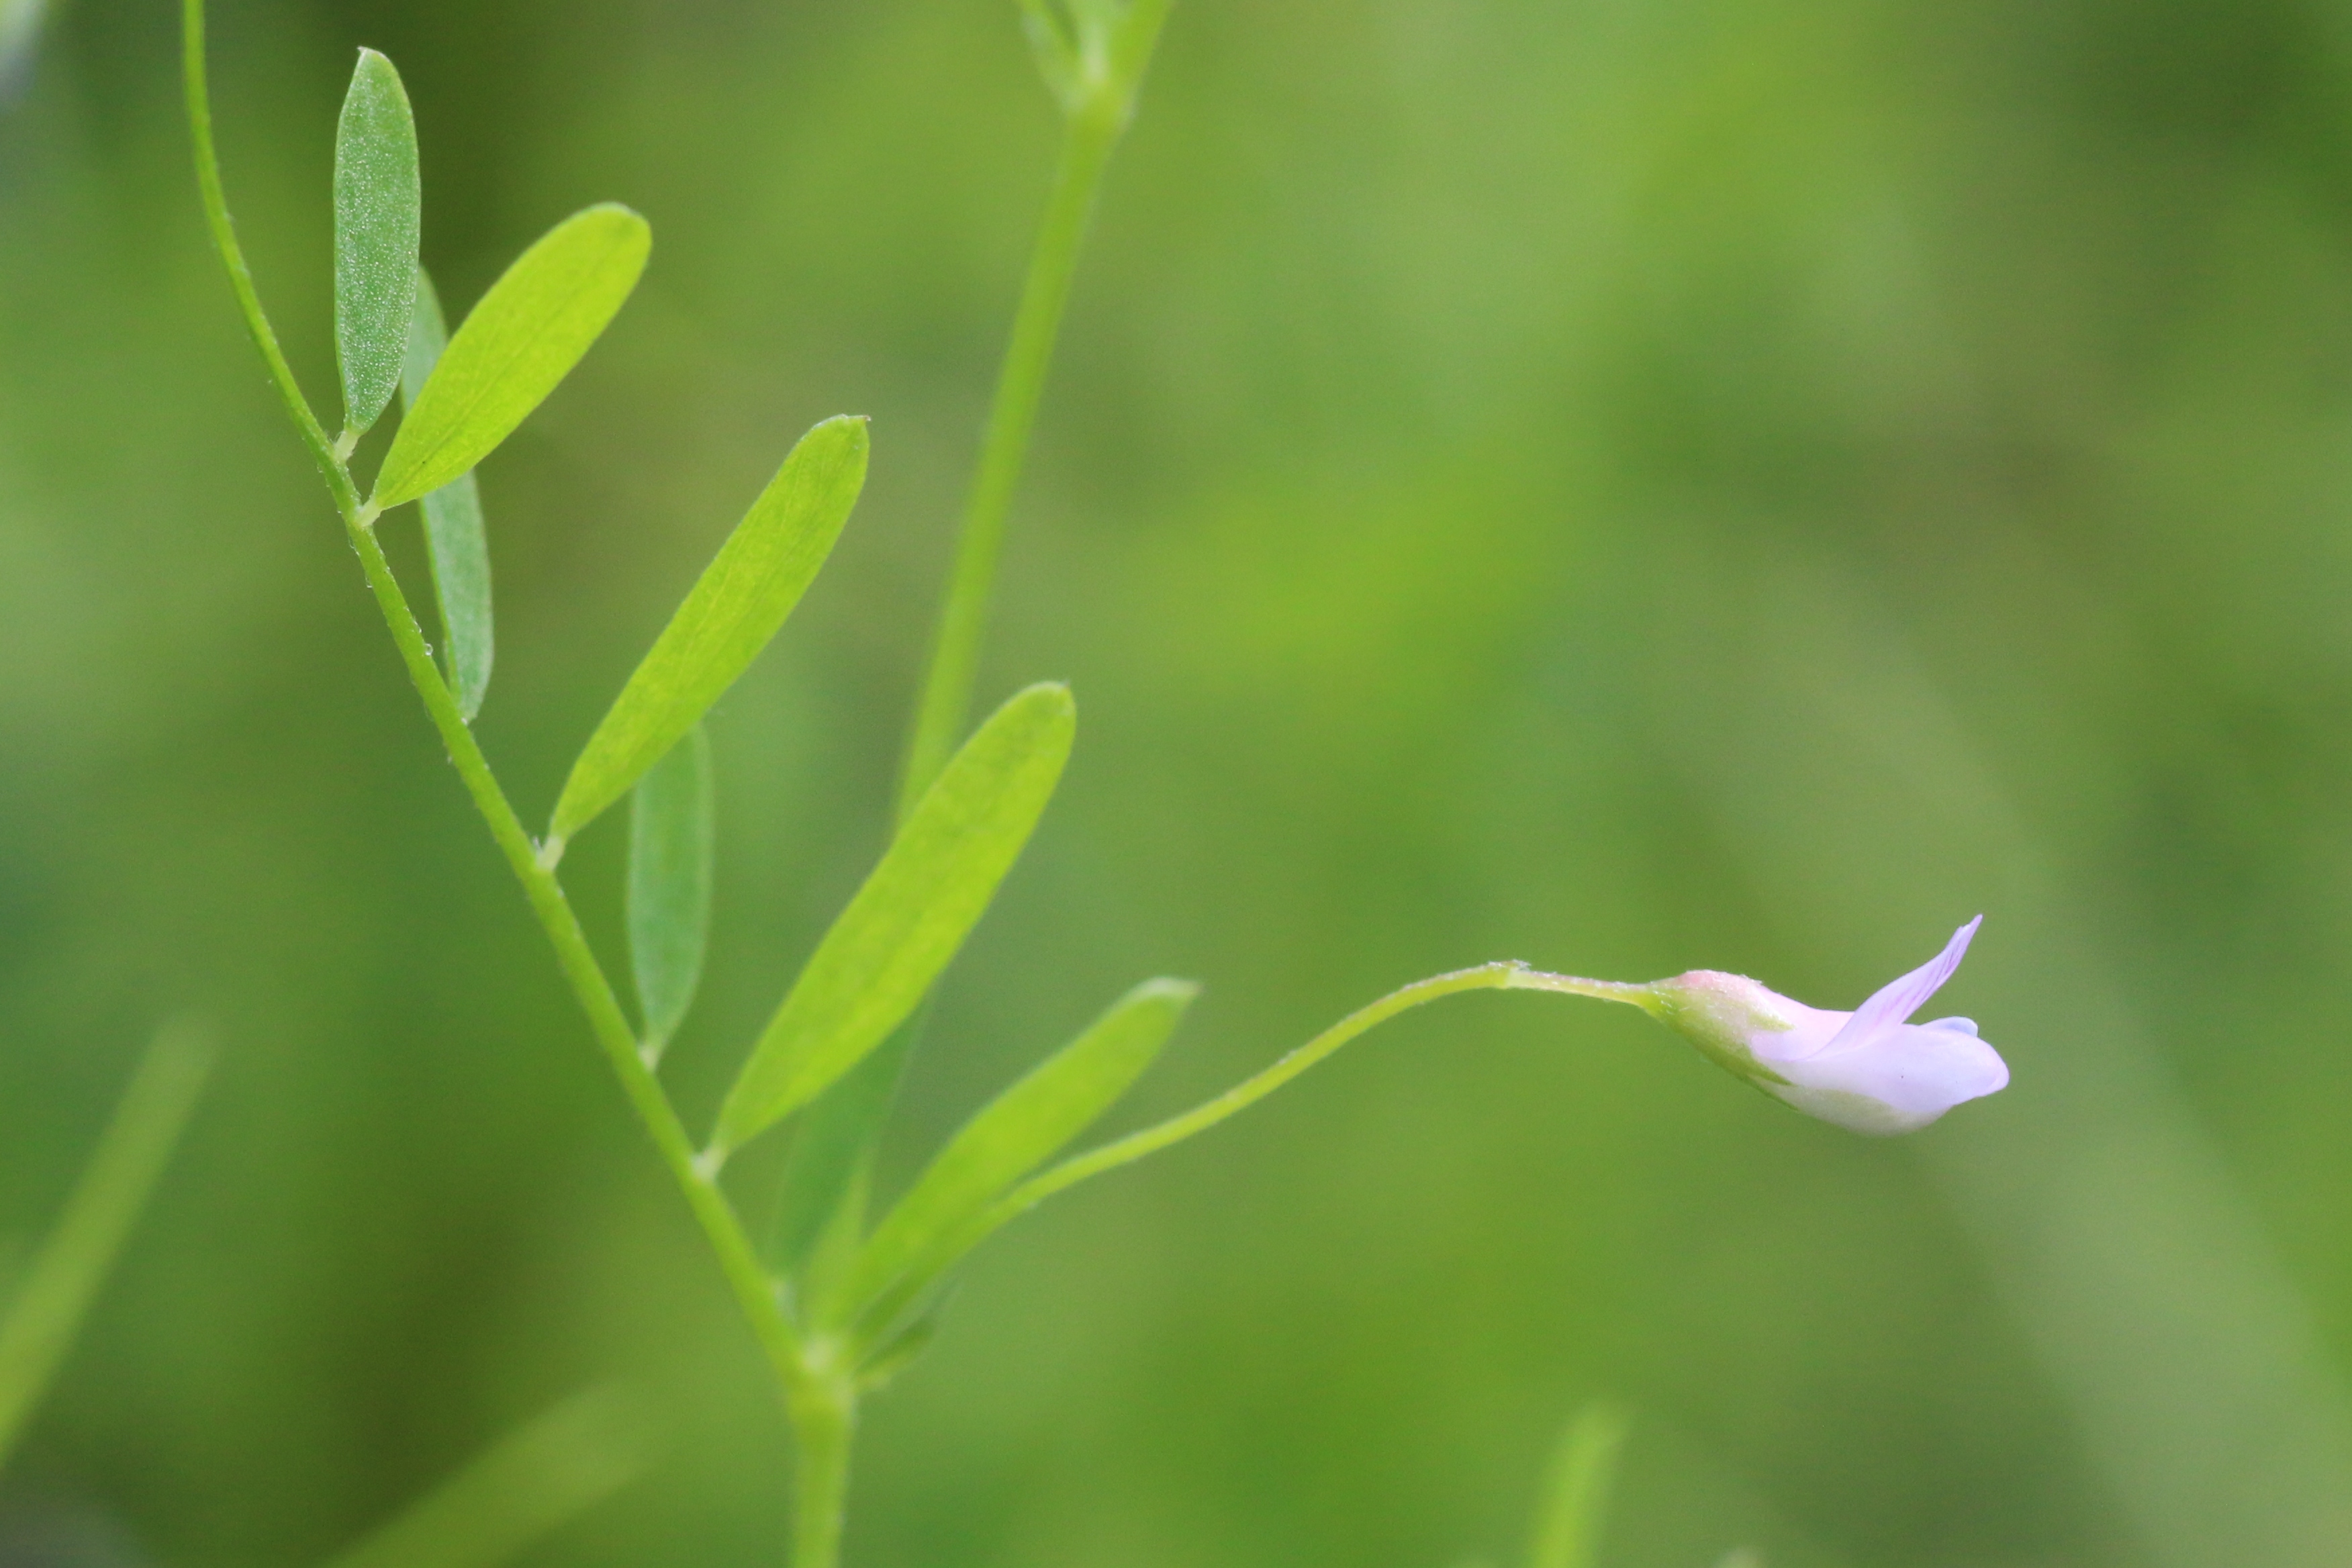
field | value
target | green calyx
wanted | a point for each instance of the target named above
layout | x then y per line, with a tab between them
1719	1013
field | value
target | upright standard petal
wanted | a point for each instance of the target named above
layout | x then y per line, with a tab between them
1896	1002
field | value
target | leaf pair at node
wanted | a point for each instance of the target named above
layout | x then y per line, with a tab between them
651	742
461	397
1092	52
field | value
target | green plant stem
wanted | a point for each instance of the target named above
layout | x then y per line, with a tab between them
943	710
890	1310
824	1421
1507	975
240	276
71	1264
720	1224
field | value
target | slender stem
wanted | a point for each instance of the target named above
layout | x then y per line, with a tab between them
889	1310
824	1423
1507	975
240	276
74	1260
944	707
720	1224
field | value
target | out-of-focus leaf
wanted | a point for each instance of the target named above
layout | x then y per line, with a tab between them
1020	1130
534	1481
901	1350
377	208
1049	41
812	1293
48	1309
835	1145
455	541
915	910
740	603
1576	1490
671	838
523	339
20	35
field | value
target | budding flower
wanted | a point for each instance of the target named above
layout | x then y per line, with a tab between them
1871	1071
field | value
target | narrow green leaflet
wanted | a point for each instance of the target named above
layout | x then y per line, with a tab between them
1021	1129
904	924
455	541
741	603
671	840
377	203
524	337
1576	1490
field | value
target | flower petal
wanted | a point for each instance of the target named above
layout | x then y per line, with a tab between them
1897	1001
1908	1076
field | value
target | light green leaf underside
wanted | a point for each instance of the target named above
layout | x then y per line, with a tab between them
456	543
671	841
377	208
740	603
1018	1131
904	924
522	340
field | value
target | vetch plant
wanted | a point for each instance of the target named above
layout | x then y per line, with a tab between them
841	1299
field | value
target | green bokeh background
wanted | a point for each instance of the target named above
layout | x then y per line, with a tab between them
1745	484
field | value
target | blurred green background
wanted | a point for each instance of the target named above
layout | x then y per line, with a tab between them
1634	486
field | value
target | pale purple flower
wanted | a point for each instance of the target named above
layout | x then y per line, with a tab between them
1871	1070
